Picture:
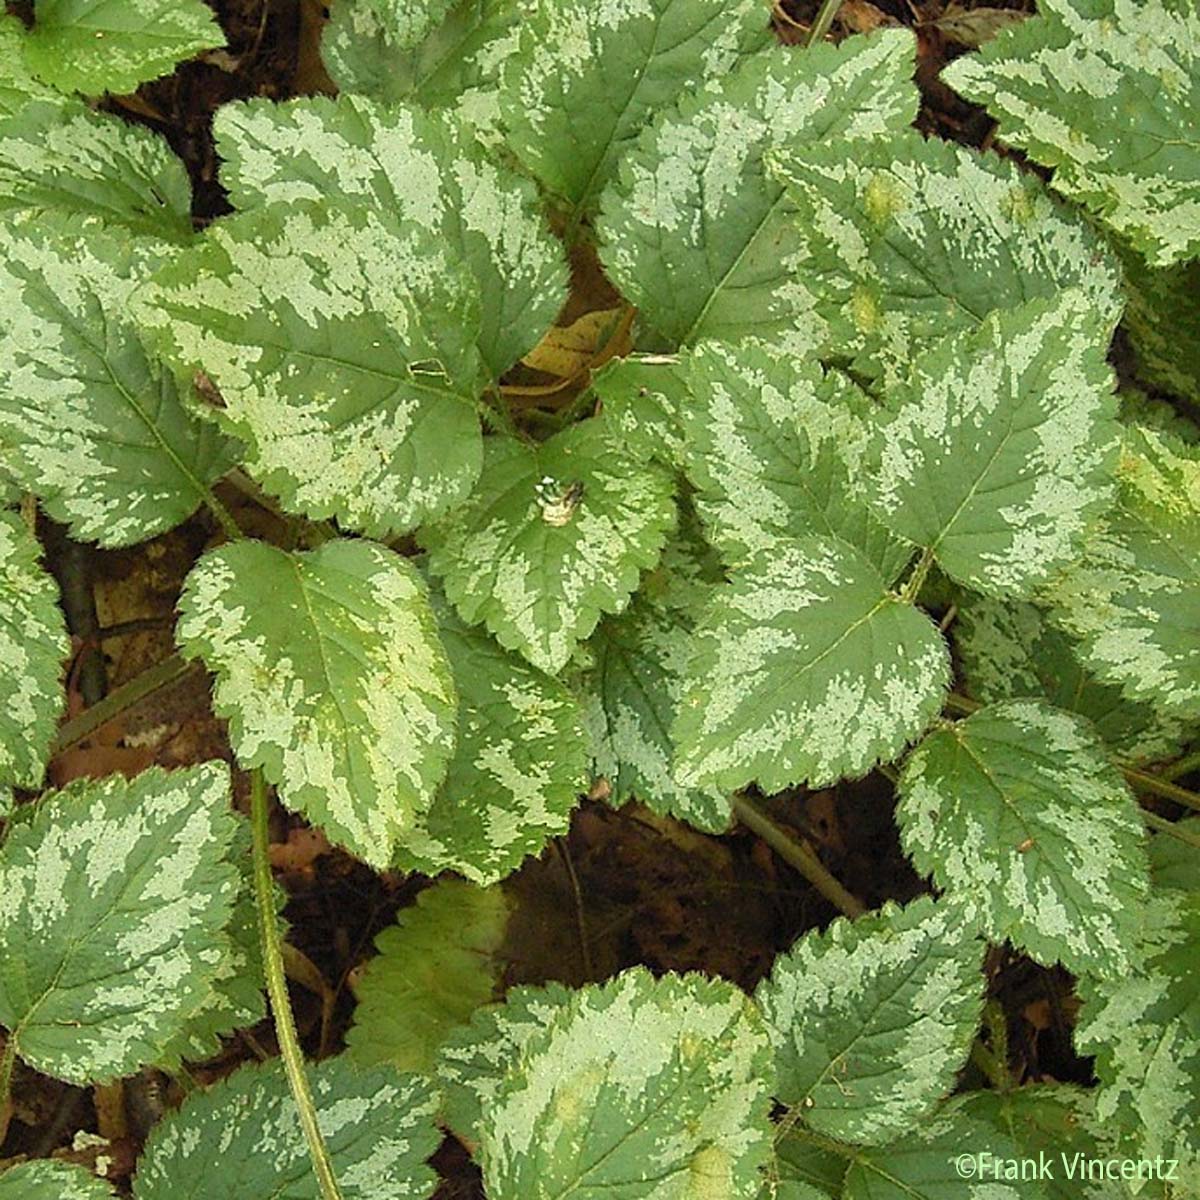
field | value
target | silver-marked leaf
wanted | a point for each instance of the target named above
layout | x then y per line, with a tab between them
407	24
18	85
65	157
474	1059
776	449
47	1179
344	353
1018	811
114	897
693	230
90	422
95	46
805	667
518	769
906	241
644	397
1162	318
413	169
1133	601
333	679
635	679
1175	864
1010	651
1000	450
585	79
872	1019
241	1137
1105	92
637	1088
554	536
33	647
1145	1033
434	967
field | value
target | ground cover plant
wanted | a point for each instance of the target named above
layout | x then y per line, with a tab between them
643	556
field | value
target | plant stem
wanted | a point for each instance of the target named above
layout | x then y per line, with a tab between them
1171	829
799	855
820	27
224	517
281	1006
1185	766
912	586
7	1063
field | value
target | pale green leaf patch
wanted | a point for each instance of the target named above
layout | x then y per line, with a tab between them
18	86
33	647
434	967
1018	811
555	535
643	398
1105	92
241	1137
872	1019
333	679
693	230
636	1088
46	1179
90	421
114	898
344	353
408	168
806	668
95	46
1000	451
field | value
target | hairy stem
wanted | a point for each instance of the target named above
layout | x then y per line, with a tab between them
820	27
914	583
1171	830
224	517
1185	766
7	1063
281	1005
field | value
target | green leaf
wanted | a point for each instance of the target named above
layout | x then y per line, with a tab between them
89	421
413	170
46	1179
95	46
113	901
345	355
241	1137
906	241
1133	601
330	671
636	1088
33	645
1144	1030
1009	651
1018	812
692	229
776	450
1175	864
806	668
518	769
1104	92
64	156
1163	323
18	85
644	397
434	967
585	79
872	1019
804	1170
554	535
1000	450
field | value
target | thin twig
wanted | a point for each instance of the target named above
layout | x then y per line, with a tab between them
585	949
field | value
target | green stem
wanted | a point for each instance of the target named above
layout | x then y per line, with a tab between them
1184	766
1171	829
789	1126
281	1006
912	587
820	27
224	517
7	1063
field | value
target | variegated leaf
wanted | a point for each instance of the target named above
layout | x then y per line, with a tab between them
333	679
806	668
518	769
776	449
906	241
872	1019
18	85
434	967
585	79
33	646
1144	1030
1162	318
695	233
90	422
1133	601
640	1088
95	46
1000	450
644	397
802	1170
68	158
412	169
1018	811
1009	651
1143	411
242	1137
344	353
48	1179
1105	91
114	897
555	535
